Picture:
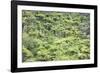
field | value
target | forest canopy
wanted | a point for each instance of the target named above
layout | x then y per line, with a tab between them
54	36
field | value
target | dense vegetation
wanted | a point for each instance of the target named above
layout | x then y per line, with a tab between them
52	36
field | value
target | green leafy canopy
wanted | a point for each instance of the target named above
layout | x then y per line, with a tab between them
52	36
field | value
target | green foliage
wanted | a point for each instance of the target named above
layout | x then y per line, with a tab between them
49	36
26	54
